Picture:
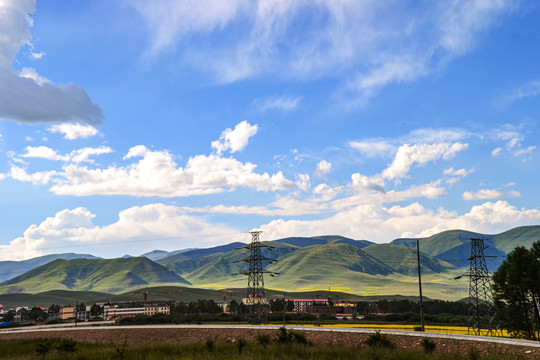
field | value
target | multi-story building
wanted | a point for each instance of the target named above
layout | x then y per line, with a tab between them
66	313
115	312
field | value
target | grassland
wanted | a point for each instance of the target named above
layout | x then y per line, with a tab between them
240	349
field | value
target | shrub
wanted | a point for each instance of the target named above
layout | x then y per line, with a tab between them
210	345
241	344
379	340
288	337
67	346
263	339
418	328
474	353
428	345
43	348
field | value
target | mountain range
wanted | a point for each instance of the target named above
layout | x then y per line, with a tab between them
303	264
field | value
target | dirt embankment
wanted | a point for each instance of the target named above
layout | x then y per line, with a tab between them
194	335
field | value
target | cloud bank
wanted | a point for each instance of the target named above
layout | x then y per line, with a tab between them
26	96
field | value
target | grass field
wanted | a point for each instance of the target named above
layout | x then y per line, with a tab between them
62	349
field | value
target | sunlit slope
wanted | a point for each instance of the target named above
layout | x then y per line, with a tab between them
322	240
404	260
454	247
520	236
340	267
210	267
10	269
111	275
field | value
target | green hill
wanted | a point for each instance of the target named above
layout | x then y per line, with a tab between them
453	246
520	236
404	261
105	275
10	269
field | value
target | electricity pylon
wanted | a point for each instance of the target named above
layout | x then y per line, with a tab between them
257	306
482	312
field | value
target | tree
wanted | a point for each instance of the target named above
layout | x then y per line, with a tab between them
233	306
54	308
37	314
9	316
95	310
516	292
80	307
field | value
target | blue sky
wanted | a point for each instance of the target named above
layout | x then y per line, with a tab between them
135	125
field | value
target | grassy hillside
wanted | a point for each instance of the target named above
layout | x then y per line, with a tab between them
520	236
111	275
199	253
404	261
322	240
11	269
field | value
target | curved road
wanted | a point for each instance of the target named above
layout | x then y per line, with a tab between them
94	326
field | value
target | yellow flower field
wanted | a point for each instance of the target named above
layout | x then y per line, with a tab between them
440	329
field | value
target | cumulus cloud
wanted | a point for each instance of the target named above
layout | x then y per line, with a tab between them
376	222
138	229
74	131
235	139
36	178
157	174
323	168
25	96
380	43
76	156
456	174
408	155
484	194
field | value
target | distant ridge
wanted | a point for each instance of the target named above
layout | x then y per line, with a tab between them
10	269
103	275
303	264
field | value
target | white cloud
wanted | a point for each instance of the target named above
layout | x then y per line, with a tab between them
484	194
383	147
456	174
157	174
282	103
531	89
380	43
373	148
496	151
76	156
514	138
323	168
43	152
433	136
26	96
408	155
235	140
139	229
37	178
382	224
74	131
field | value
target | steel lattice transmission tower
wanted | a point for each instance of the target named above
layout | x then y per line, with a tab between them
482	313
257	305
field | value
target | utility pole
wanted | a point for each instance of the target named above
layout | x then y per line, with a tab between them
420	284
284	309
76	312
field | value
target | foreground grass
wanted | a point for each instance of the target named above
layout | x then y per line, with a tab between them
57	349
